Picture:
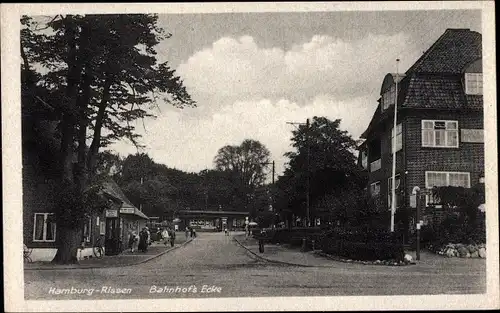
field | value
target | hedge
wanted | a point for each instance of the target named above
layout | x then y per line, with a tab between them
363	244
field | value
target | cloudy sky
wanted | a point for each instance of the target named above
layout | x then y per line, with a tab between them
251	73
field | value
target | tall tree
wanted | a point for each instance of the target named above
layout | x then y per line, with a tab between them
246	166
324	154
100	73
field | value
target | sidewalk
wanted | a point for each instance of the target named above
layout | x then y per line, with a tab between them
293	256
126	258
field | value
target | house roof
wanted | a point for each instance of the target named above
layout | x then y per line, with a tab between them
111	188
435	92
434	81
455	49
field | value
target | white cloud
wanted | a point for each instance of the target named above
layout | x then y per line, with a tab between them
245	91
238	68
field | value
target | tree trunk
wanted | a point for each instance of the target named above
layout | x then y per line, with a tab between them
96	140
69	240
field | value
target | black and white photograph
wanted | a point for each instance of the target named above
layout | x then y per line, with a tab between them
249	157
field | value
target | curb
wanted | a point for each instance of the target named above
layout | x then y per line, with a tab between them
109	266
340	259
269	260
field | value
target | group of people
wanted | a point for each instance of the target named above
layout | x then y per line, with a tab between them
168	236
190	232
141	241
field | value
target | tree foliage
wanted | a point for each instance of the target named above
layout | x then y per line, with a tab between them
246	162
324	156
94	75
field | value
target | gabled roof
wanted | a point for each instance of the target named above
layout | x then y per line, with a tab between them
111	187
450	53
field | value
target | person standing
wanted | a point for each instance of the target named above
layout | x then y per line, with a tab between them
143	240
148	239
187	233
165	236
172	238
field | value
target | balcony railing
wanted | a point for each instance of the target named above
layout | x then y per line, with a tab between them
375	165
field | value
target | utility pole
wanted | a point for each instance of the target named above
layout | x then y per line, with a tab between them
393	191
308	220
308	160
140	204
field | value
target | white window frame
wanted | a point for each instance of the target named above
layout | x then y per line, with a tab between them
399	134
477	78
429	188
371	188
44	232
389	189
446	133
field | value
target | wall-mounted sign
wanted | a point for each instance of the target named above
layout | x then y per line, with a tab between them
111	213
472	135
127	210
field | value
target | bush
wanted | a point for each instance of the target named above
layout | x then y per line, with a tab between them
457	228
365	245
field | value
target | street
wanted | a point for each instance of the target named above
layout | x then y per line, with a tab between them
214	265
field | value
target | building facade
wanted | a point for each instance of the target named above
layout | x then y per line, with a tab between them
439	132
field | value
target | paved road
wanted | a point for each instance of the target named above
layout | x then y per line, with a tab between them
228	270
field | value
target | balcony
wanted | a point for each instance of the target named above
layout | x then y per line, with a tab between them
375	165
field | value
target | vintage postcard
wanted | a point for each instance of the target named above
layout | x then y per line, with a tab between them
254	156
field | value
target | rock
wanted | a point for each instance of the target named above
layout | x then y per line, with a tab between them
462	251
467	255
472	248
408	258
482	253
450	253
474	254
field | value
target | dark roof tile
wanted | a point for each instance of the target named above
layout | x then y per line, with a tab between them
438	93
455	49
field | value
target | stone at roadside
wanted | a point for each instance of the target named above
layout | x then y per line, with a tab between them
474	254
450	253
472	248
463	251
467	255
482	253
408	258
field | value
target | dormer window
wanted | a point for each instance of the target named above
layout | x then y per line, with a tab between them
388	98
474	83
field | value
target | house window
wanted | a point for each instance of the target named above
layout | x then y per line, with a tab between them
442	179
44	228
399	137
441	134
474	83
388	98
375	188
389	189
364	159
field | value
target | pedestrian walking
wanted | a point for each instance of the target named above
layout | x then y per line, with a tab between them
187	233
131	239
172	238
225	231
194	233
191	232
165	236
143	240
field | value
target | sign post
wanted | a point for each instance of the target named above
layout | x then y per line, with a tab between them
416	193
